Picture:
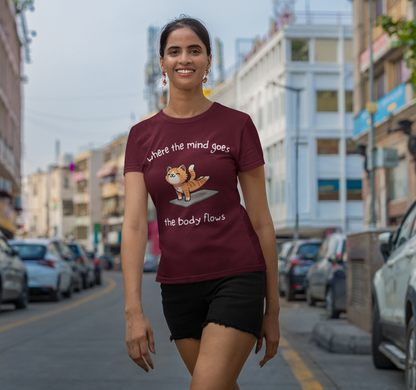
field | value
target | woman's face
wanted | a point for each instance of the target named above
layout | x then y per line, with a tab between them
185	59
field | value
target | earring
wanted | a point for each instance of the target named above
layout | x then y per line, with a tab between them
164	82
205	79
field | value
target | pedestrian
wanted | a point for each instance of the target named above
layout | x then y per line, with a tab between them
219	259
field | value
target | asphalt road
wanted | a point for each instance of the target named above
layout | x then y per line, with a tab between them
78	343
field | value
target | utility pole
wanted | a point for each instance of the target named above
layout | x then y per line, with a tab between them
371	108
297	123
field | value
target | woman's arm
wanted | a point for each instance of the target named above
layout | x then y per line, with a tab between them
254	191
139	334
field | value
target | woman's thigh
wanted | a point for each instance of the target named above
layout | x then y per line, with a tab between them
221	356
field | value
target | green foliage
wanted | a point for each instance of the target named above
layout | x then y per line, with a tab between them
20	5
404	36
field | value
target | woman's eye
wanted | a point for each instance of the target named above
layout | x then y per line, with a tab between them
173	52
195	51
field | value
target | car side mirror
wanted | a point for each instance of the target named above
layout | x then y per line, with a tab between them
15	252
385	242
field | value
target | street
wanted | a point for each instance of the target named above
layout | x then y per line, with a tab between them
79	343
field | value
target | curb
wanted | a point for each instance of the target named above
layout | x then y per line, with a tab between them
342	337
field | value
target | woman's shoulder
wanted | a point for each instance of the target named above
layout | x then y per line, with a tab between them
233	113
146	124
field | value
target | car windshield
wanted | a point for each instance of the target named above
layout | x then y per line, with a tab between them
74	249
31	252
308	251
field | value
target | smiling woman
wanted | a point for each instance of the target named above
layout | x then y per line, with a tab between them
212	270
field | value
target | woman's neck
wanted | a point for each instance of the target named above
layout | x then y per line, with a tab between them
186	104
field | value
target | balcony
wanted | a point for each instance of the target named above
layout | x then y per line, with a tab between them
83	197
110	190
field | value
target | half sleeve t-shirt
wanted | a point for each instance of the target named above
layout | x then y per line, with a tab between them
190	168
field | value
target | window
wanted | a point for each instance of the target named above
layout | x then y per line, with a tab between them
300	50
81	210
326	50
379	8
283	191
379	89
68	207
327	101
328	146
348	50
398	180
354	190
82	186
66	182
405	228
348	101
328	189
276	107
81	165
277	192
81	233
350	147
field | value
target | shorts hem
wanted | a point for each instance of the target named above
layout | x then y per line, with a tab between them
228	325
173	338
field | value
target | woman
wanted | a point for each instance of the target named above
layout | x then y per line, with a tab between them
214	252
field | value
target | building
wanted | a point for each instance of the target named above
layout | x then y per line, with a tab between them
47	200
10	118
87	198
395	187
317	58
112	187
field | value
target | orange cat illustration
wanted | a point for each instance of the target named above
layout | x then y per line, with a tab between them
179	179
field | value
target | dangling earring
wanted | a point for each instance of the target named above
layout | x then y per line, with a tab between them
205	79
164	82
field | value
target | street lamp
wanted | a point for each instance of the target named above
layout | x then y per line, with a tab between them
297	91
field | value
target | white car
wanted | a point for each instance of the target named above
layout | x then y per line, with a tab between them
48	273
394	297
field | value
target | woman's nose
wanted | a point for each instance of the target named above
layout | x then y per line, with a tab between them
184	59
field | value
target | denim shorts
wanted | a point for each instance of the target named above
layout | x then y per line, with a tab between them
235	301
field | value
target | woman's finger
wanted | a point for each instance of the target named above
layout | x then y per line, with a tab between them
259	344
151	342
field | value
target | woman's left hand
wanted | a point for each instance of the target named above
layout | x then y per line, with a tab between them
270	330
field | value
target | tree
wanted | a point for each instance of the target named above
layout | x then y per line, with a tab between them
20	5
404	36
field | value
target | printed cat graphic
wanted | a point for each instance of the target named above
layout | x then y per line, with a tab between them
179	179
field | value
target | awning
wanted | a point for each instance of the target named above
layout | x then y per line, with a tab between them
106	171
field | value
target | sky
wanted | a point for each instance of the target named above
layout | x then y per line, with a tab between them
86	80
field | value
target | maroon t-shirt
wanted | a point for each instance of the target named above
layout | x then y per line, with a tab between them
190	169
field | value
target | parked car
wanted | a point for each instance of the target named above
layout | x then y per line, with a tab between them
300	257
88	279
281	264
106	261
69	257
97	266
394	298
151	263
13	276
48	273
325	280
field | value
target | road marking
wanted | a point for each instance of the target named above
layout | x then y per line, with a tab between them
302	373
61	309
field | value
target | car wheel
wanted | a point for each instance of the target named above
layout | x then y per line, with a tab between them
92	281
85	283
410	371
21	303
56	295
78	287
68	293
290	294
330	304
379	360
309	298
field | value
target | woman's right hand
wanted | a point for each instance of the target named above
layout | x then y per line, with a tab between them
139	340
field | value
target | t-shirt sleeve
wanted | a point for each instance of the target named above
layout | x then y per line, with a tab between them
133	161
251	153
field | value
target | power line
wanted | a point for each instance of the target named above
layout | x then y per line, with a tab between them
79	98
76	119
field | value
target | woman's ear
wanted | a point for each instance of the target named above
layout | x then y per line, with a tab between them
162	64
209	61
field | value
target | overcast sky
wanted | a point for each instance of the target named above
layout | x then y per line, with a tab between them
86	80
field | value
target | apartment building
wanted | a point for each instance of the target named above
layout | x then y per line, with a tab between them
87	198
10	118
395	187
47	202
112	187
318	59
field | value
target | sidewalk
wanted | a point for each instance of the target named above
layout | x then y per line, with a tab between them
340	336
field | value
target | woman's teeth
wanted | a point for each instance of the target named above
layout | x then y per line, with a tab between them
185	71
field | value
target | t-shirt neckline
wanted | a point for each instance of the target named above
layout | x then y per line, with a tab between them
191	119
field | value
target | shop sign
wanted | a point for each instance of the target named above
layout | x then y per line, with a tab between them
386	105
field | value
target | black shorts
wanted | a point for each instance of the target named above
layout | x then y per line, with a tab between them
235	301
